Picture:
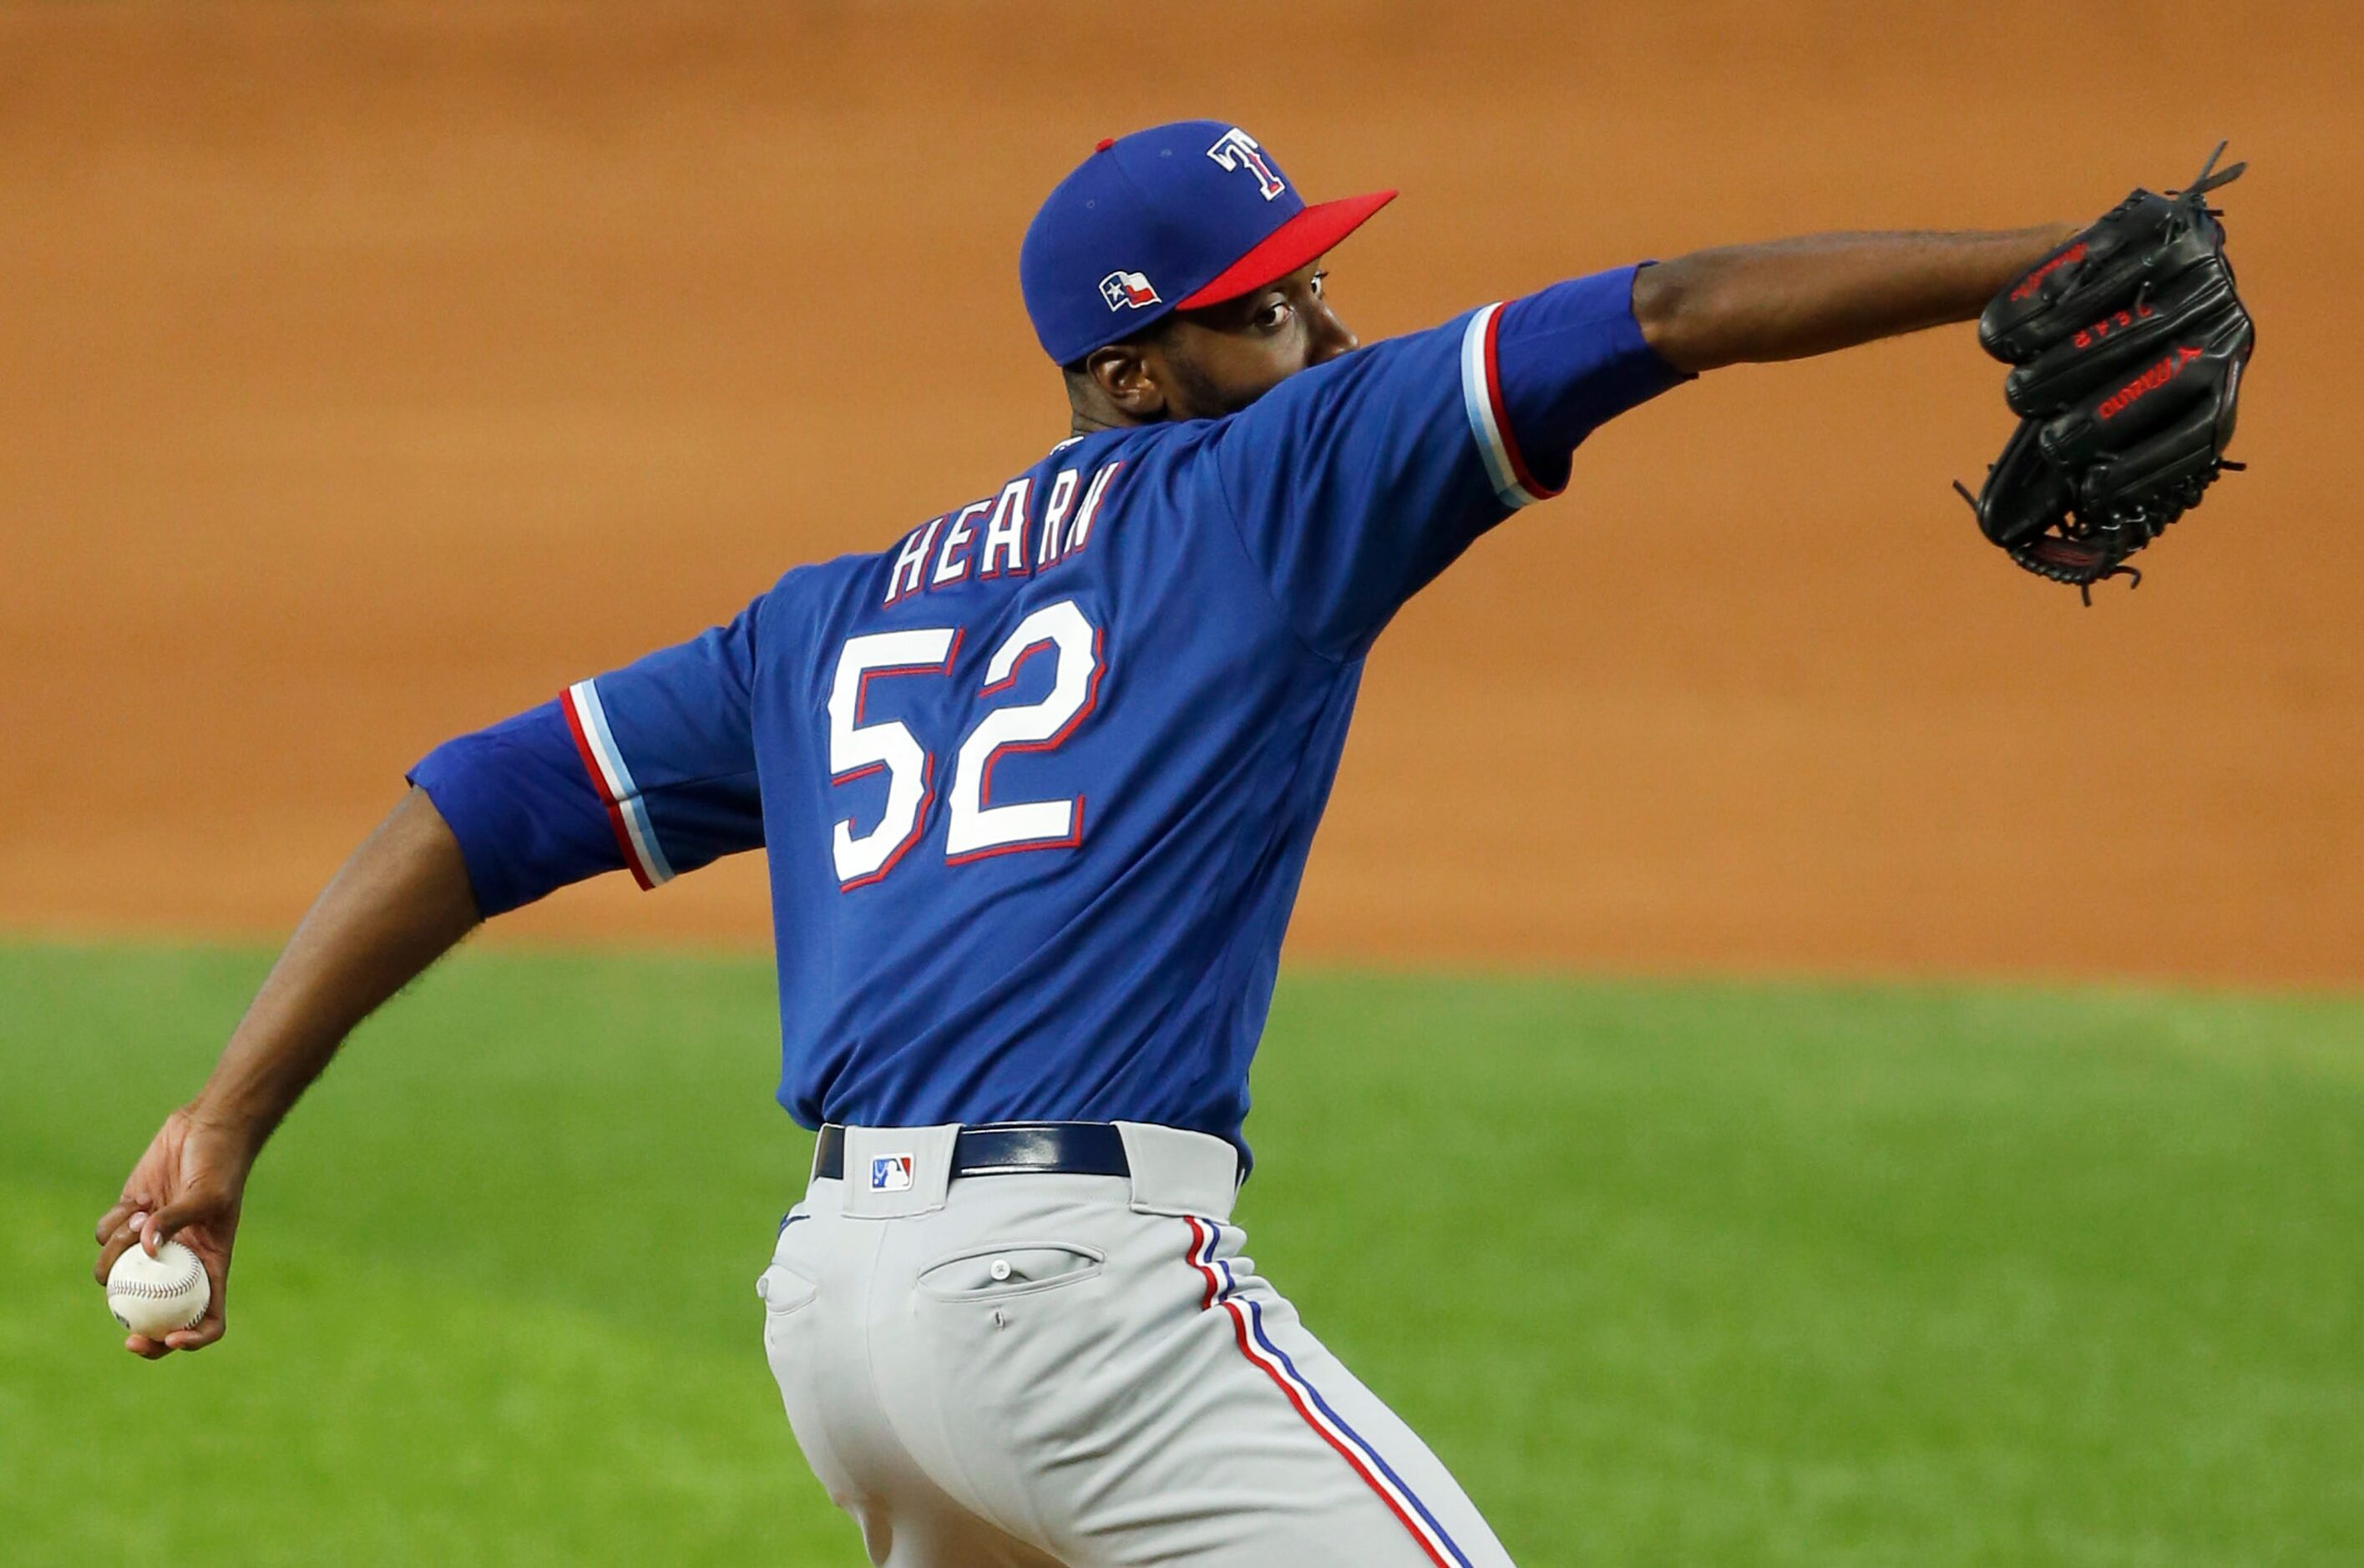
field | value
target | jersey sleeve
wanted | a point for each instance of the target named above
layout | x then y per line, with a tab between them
516	796
650	768
1355	483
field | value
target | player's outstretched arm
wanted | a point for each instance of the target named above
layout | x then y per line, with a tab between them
1788	299
401	902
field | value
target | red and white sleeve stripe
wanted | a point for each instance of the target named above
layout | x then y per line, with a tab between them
586	719
1490	421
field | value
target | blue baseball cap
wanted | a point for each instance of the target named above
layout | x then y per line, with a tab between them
1170	218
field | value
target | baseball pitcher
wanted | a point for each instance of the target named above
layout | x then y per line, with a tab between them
1037	783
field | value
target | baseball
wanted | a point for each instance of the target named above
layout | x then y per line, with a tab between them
155	1296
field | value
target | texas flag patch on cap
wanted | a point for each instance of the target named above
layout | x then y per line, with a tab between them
1127	291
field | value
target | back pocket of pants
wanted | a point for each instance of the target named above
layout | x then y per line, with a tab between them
1017	1268
783	1291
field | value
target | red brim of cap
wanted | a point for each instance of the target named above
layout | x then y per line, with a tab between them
1289	246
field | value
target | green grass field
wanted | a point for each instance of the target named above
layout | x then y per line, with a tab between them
1713	1274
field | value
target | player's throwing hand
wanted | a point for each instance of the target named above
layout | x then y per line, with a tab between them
188	1186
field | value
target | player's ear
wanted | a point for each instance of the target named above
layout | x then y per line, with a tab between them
1123	374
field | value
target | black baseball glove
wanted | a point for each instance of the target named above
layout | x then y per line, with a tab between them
2127	346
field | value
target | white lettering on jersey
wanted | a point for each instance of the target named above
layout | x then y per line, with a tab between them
1005	536
1063	495
857	750
974	829
1079	535
951	567
911	562
1067	529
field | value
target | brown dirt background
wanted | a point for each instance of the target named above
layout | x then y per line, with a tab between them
371	371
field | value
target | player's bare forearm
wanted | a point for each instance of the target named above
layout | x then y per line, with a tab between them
1788	299
398	905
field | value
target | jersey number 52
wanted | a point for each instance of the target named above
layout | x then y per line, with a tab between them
974	828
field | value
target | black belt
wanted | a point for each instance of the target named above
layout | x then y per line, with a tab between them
1007	1148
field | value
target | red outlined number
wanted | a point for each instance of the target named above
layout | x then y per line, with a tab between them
974	829
857	750
975	826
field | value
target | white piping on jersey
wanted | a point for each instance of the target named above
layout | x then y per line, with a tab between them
615	776
1480	380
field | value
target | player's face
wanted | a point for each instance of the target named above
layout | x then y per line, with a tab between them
1218	360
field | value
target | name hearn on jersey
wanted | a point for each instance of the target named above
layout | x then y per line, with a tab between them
998	545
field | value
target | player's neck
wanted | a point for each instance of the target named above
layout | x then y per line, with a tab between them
1081	423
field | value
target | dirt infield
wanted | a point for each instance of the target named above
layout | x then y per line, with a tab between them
374	370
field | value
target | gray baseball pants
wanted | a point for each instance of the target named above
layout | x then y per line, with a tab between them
1025	1370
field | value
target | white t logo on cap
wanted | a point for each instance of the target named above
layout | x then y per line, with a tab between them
1238	149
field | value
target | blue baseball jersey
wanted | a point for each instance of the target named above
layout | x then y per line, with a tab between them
1038	781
